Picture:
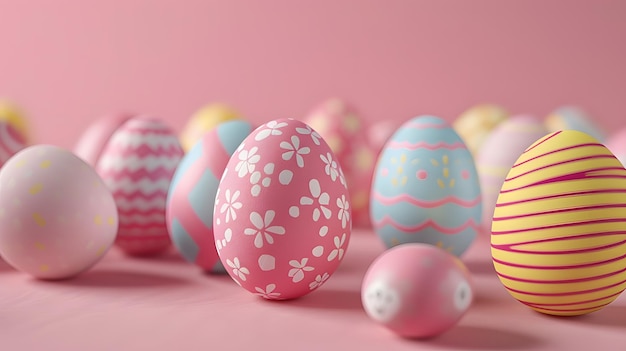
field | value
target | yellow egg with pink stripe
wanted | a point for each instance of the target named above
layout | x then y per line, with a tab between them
558	238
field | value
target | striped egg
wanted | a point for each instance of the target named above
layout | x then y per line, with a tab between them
498	154
559	229
11	141
138	164
191	196
426	188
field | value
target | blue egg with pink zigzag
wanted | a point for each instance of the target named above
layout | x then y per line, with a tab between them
426	188
191	196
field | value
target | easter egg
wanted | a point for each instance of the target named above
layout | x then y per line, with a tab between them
378	133
137	165
91	143
191	196
572	117
205	120
617	145
426	188
416	290
282	218
475	124
11	114
57	218
341	126
11	141
558	237
500	150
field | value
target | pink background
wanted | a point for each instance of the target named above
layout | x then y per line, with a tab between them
74	61
67	60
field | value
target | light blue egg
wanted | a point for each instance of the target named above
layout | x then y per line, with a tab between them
426	188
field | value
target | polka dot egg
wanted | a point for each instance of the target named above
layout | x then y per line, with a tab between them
416	290
282	217
57	217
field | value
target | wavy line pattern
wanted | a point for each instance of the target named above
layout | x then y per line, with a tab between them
424	145
405	198
138	167
429	223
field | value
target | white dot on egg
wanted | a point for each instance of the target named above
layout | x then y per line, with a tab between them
285	177
269	168
218	221
218	245
223	243
228	234
255	190
267	262
266	182
318	251
294	211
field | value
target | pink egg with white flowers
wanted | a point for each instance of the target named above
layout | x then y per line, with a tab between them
282	218
416	290
137	164
57	217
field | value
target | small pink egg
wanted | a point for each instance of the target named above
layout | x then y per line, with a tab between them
91	143
138	164
57	217
416	290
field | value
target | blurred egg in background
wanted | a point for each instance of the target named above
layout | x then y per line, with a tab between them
92	141
341	125
426	188
204	120
475	124
14	134
574	118
500	150
617	144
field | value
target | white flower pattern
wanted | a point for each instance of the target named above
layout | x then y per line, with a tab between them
297	272
330	166
257	177
309	131
294	148
338	251
247	161
323	199
238	270
319	281
263	229
231	205
344	210
268	292
271	128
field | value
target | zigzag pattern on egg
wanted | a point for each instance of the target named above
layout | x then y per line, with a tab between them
137	165
559	229
426	188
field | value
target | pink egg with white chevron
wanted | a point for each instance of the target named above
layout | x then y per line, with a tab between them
192	193
426	188
138	164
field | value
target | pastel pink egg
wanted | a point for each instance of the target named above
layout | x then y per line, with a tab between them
416	290
340	124
11	141
498	153
137	165
57	217
191	196
91	143
617	145
282	216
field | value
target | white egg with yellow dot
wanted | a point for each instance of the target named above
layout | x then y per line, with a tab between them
57	218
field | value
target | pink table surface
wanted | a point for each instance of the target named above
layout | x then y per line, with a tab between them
166	304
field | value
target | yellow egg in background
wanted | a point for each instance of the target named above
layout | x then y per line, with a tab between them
558	238
14	116
476	123
204	120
